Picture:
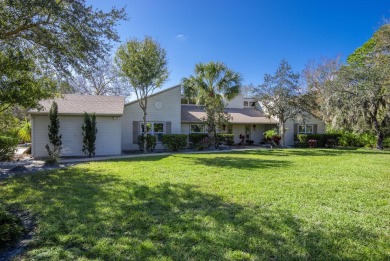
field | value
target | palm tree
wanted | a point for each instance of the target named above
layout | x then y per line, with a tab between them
212	85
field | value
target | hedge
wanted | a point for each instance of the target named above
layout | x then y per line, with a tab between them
195	138
227	139
150	142
175	142
323	140
7	147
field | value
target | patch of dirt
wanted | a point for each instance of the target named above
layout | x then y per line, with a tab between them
26	167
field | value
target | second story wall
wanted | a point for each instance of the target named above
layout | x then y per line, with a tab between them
164	107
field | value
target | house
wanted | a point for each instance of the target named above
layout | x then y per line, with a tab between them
120	124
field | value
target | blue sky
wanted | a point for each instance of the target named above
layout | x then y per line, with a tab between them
250	37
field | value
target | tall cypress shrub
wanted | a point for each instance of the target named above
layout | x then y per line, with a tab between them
89	134
54	135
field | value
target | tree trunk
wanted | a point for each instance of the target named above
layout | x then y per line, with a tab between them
216	140
379	140
282	131
145	134
379	133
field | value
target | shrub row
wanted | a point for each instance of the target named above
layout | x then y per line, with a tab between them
323	140
344	139
150	142
227	139
195	138
7	147
174	142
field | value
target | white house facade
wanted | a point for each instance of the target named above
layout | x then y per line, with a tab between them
120	124
71	109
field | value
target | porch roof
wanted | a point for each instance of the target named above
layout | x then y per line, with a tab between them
194	114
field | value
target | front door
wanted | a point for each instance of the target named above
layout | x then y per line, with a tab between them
247	132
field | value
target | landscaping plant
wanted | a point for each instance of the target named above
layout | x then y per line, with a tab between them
228	139
175	142
151	142
89	134
54	135
7	147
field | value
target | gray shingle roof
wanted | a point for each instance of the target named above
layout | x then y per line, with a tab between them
192	113
73	104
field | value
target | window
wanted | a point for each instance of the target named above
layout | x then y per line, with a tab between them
305	129
230	129
249	104
154	128
197	128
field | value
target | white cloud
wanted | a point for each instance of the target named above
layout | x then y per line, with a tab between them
180	37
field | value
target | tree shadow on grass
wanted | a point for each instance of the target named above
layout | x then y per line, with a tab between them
229	162
90	214
312	152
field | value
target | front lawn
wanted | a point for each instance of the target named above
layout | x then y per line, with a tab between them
256	205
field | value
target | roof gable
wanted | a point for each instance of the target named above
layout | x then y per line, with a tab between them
157	93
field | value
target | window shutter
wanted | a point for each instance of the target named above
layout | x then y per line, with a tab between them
168	126
315	128
135	132
295	129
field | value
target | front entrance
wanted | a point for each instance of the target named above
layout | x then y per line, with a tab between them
247	132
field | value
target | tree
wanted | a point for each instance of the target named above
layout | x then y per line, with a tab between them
22	82
247	90
102	79
54	135
211	84
358	97
279	94
42	41
144	65
318	76
89	134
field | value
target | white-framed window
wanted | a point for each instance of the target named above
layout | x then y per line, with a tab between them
197	128
246	103
305	129
154	128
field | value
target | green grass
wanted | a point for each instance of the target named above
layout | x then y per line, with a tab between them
255	205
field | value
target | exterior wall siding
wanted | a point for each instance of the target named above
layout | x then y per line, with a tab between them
170	112
289	135
256	134
108	140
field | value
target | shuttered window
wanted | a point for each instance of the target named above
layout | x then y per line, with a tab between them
157	129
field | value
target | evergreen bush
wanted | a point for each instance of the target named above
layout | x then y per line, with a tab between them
227	139
7	147
54	135
89	134
151	142
175	142
195	138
